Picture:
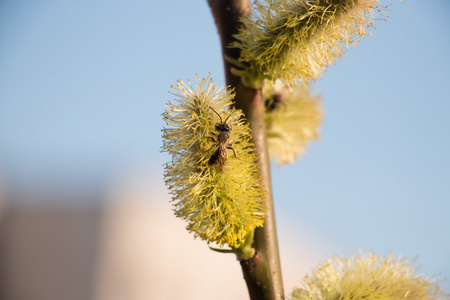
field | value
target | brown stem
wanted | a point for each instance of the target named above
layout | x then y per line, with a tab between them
262	273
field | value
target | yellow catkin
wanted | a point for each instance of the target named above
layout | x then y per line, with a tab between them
293	118
221	203
292	39
368	277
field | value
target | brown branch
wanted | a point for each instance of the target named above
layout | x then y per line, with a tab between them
262	273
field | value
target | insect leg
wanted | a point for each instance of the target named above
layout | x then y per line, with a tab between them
215	145
234	151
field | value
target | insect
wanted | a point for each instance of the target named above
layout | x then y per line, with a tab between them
223	143
273	103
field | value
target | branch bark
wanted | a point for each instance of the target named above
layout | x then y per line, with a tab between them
262	273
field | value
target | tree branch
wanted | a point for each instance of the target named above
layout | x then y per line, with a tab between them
262	273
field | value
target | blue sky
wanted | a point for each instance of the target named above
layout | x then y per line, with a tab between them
82	88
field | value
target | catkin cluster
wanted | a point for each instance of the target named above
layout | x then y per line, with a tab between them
221	202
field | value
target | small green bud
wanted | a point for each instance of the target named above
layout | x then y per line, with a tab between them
213	175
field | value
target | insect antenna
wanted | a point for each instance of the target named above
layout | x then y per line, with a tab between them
217	114
229	116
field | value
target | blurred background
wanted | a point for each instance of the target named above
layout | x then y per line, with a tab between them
84	213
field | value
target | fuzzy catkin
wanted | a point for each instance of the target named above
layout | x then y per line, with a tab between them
221	205
368	277
293	118
292	39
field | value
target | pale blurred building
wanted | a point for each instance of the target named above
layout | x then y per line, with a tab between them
129	248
